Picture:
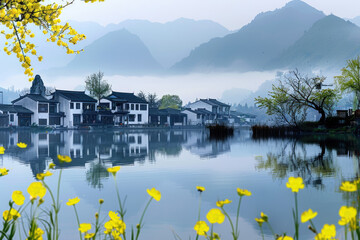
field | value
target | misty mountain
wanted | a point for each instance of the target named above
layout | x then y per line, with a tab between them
327	44
255	44
355	20
118	52
235	95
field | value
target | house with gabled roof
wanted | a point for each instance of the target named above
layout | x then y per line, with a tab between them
219	109
128	109
78	108
14	115
199	116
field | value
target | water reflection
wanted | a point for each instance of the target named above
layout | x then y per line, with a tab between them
310	157
101	149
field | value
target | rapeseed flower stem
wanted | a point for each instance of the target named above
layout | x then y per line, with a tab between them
141	219
237	218
262	232
231	223
77	219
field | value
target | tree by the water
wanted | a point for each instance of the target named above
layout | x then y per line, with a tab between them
170	101
294	94
349	80
97	87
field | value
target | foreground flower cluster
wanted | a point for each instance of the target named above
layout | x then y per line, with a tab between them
43	222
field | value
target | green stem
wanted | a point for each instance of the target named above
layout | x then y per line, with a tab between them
199	207
271	229
77	219
122	213
296	220
142	217
231	223
262	233
237	218
313	225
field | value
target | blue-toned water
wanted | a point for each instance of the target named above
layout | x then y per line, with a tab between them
175	162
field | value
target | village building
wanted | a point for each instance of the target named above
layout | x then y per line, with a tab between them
167	117
78	108
199	116
127	108
14	115
219	109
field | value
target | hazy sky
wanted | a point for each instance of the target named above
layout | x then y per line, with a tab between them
232	14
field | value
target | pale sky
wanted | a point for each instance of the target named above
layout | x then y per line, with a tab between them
233	14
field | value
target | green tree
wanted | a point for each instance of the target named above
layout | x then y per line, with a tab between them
349	80
295	94
97	87
170	101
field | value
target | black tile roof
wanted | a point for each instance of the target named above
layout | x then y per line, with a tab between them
35	97
75	96
14	109
128	97
213	101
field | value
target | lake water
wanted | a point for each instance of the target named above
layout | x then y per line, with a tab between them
175	162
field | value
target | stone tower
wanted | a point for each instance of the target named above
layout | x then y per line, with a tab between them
38	86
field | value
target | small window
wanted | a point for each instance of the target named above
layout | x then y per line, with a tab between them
71	105
198	116
127	106
43	108
139	140
11	117
137	106
139	117
77	105
143	107
132	106
131	117
42	122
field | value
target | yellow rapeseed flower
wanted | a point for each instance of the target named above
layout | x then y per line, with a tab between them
201	228
18	198
347	214
154	194
327	232
73	201
222	203
113	170
52	165
21	145
3	171
113	216
200	188
295	184
348	187
84	227
12	214
285	238
41	176
89	235
260	221
308	215
36	189
64	158
243	192
215	216
2	150
264	217
101	201
38	234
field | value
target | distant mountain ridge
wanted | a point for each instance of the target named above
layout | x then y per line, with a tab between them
327	44
118	52
255	44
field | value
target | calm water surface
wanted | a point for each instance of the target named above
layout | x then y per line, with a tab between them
175	162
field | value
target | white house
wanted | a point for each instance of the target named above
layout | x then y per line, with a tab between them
219	109
198	116
127	108
77	107
39	105
14	115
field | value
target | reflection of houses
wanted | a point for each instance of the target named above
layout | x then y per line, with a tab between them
199	144
241	118
14	115
77	106
167	117
127	108
219	109
199	116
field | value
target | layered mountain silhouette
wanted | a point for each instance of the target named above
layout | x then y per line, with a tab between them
327	44
254	45
116	52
